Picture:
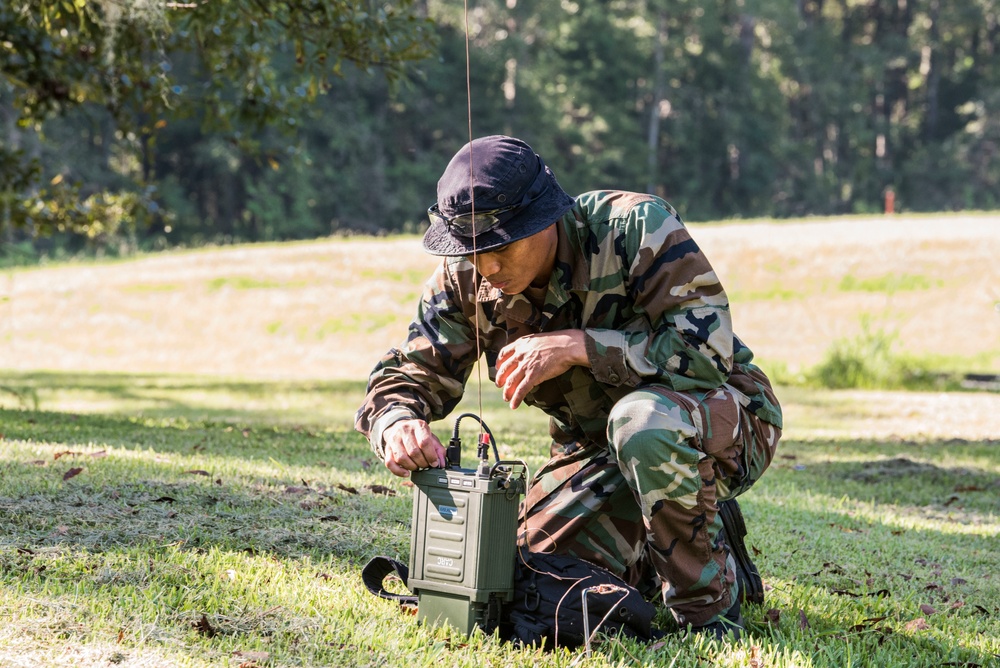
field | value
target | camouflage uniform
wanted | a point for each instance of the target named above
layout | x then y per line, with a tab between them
671	418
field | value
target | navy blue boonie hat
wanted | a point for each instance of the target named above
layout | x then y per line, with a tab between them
516	196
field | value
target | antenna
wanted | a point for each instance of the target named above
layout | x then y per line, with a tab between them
464	528
476	277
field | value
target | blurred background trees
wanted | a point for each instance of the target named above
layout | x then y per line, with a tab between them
146	125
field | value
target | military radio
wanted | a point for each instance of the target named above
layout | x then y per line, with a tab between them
464	532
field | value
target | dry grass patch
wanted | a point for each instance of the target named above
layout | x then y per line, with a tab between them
289	311
798	287
328	309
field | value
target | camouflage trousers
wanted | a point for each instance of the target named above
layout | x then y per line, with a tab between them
645	506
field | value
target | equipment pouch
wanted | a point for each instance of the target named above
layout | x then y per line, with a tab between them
551	594
553	591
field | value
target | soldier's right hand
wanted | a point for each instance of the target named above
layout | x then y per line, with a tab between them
410	445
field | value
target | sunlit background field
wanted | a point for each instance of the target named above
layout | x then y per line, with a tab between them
325	309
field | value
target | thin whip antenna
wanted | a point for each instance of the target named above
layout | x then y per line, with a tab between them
477	278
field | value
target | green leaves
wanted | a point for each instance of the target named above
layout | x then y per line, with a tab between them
57	55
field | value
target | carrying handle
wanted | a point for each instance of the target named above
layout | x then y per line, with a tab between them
375	572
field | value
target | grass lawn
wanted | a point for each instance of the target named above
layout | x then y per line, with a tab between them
185	521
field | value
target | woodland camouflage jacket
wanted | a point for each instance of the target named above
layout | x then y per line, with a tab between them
628	273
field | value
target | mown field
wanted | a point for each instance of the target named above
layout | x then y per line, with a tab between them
180	484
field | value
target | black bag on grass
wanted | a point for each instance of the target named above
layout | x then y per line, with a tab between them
548	603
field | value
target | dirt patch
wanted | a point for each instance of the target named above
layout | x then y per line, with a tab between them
892	468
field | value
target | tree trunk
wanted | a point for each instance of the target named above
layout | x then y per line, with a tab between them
659	85
933	72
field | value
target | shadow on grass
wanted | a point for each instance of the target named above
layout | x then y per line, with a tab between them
190	397
312	405
104	482
953	476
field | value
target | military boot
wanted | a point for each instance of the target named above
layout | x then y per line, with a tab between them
728	624
747	575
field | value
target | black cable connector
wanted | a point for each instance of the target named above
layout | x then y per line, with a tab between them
483	448
453	453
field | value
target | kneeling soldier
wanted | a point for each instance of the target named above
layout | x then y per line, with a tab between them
604	313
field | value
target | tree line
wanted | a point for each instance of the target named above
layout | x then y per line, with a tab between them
254	120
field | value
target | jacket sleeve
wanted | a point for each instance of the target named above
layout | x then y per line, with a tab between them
682	334
425	377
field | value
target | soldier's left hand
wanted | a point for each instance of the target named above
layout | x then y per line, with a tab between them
533	359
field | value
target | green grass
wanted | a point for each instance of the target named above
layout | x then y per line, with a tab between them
776	292
187	397
889	283
250	283
872	360
144	288
408	277
356	322
224	523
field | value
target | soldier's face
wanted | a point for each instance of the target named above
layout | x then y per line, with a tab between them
512	268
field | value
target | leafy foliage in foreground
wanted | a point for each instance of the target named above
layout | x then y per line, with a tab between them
181	541
125	67
748	110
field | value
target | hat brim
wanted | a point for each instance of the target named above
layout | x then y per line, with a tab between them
537	216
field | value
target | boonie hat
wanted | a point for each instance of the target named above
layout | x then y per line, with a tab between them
516	196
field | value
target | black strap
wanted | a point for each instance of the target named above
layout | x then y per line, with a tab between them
374	573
